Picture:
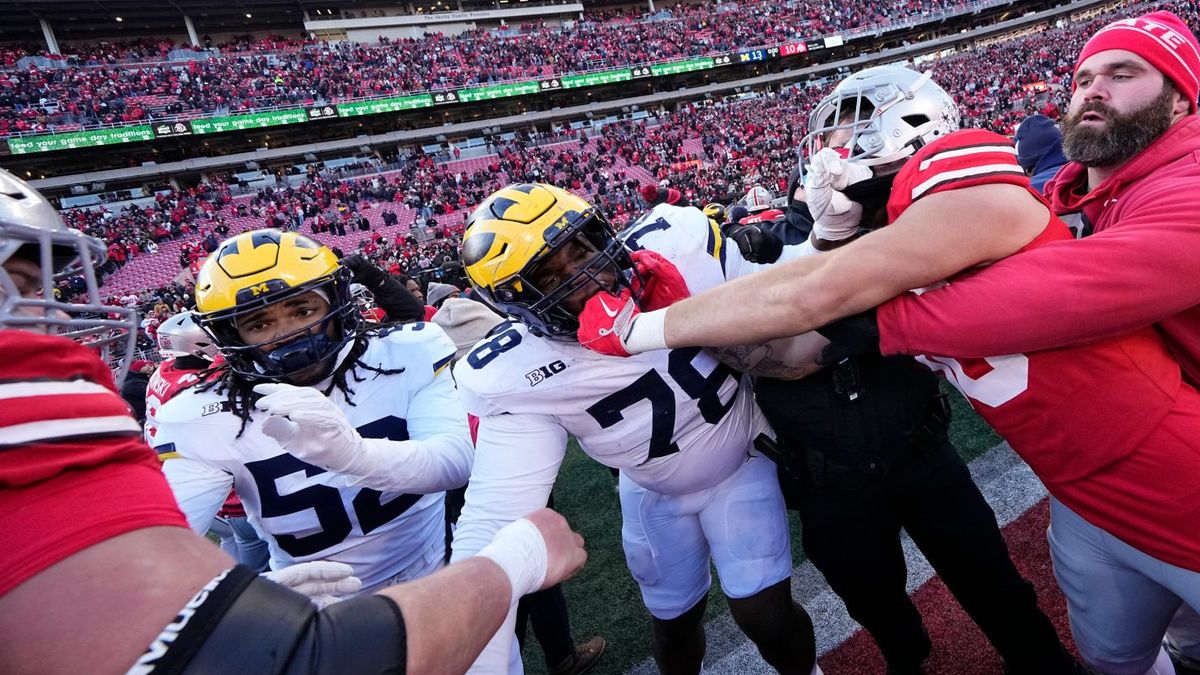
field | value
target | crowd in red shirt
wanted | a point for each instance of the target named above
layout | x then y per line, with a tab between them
100	86
729	147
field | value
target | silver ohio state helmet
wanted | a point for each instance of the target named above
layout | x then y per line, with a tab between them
758	198
180	335
886	113
31	229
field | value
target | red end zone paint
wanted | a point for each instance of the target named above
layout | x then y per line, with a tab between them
959	648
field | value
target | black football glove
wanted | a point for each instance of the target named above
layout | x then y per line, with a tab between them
365	272
855	335
756	244
390	295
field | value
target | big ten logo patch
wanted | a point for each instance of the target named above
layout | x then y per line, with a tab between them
545	372
214	408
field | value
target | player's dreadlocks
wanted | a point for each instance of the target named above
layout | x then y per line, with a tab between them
241	397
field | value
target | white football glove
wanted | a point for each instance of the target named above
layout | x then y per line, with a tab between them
838	172
310	426
323	581
835	216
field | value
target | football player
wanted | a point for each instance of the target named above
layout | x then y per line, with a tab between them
186	350
679	426
339	440
98	562
1111	428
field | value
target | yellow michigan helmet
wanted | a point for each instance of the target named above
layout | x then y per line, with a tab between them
259	268
516	229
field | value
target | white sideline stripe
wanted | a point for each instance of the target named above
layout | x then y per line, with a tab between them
1008	485
947	176
48	430
963	152
24	389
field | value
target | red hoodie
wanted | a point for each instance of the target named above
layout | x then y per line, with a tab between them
1141	266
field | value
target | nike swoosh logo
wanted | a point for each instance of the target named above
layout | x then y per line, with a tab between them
612	313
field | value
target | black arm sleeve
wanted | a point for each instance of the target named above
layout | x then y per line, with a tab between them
270	630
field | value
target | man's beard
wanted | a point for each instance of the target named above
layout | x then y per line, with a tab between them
1124	135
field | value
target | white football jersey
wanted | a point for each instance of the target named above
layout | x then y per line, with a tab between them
673	421
306	513
686	237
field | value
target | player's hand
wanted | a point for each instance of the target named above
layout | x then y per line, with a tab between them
835	216
854	335
323	581
311	427
365	272
754	243
564	547
606	321
830	167
657	283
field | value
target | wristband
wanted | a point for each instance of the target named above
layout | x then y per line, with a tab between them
647	333
520	551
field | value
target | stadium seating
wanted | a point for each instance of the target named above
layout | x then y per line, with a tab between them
711	152
130	83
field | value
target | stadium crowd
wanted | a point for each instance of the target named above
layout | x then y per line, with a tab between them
95	87
710	152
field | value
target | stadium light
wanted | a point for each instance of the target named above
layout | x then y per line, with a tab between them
119	19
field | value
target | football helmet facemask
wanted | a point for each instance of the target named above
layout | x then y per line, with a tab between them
521	226
889	112
31	229
260	268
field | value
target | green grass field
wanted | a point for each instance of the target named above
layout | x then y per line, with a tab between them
604	600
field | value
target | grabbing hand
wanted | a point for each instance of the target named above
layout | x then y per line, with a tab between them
836	216
606	321
364	271
323	581
658	283
311	427
536	552
564	548
827	166
754	243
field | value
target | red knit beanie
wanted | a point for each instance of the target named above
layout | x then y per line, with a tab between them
1161	38
649	192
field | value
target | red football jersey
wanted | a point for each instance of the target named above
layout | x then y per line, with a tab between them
1080	417
166	383
75	470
